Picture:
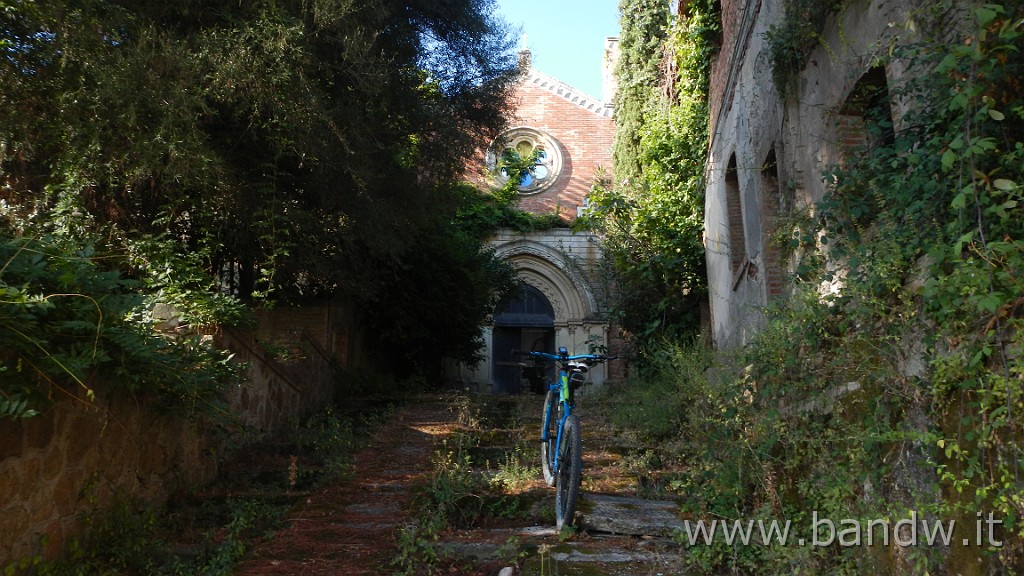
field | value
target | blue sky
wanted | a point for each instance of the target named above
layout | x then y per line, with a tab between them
566	37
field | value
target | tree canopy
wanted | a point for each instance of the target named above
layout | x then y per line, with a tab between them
247	130
274	150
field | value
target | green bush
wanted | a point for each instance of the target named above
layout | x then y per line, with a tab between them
652	216
656	400
71	322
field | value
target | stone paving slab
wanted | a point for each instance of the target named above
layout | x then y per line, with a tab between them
630	515
543	554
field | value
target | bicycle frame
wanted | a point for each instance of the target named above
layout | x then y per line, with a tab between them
565	395
561	456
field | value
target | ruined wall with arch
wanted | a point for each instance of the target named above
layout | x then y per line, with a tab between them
768	152
567	268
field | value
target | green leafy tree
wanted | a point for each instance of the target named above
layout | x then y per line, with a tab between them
644	28
652	216
291	150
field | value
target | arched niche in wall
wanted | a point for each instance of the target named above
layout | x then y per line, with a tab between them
529	307
734	213
773	203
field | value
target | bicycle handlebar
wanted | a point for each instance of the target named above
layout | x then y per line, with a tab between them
559	357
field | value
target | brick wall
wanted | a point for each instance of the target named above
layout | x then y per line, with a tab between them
72	458
774	256
732	13
582	126
586	139
734	212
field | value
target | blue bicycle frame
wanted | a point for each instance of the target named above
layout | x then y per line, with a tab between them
561	457
562	387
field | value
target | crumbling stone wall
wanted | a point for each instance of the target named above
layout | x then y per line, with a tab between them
73	458
770	151
82	456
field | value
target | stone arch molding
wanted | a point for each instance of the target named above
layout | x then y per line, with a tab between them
547	269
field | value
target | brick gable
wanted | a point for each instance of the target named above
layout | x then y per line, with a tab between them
583	128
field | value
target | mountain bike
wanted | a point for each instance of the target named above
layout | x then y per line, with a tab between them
561	444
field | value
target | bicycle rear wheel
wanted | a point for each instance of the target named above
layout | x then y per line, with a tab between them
547	447
570	472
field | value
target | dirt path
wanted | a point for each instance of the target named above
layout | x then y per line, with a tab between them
349	529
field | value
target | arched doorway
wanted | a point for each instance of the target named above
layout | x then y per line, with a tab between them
557	306
525	321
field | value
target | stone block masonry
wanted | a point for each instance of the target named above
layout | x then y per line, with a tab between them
78	457
72	459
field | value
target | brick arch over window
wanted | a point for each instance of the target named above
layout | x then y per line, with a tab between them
734	212
544	268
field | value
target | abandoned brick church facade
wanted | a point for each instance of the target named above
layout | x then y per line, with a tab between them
563	302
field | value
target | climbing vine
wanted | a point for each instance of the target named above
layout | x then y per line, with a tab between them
944	203
652	215
792	39
644	28
481	213
888	382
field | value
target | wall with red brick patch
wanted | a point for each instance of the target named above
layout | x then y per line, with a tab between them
584	129
768	150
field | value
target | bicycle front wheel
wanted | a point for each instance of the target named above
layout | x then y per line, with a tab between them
547	447
570	472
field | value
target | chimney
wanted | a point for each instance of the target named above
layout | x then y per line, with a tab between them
525	56
609	83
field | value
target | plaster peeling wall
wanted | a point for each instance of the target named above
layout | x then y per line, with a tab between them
750	123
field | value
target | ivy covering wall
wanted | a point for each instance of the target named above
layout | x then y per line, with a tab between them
652	214
895	393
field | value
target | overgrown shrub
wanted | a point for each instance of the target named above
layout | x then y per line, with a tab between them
888	382
71	321
652	216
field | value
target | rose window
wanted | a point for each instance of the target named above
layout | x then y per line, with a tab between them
525	145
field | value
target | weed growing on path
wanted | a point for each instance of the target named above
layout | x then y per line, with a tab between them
463	489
